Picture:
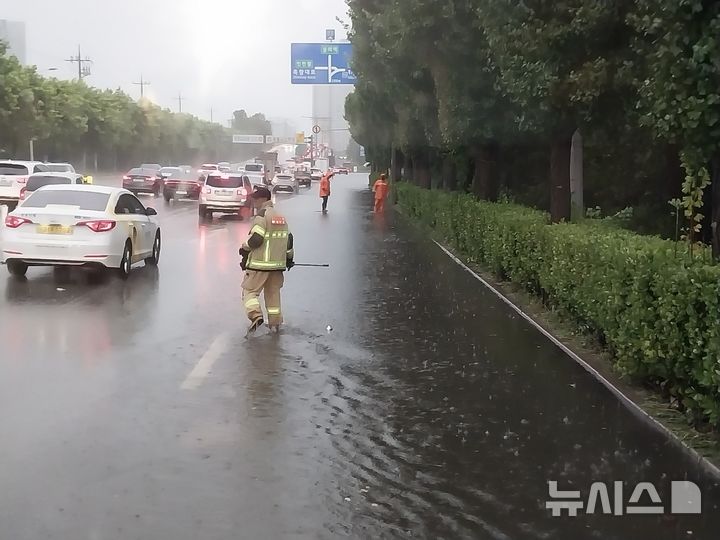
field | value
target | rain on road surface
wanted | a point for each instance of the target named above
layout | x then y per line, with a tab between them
137	410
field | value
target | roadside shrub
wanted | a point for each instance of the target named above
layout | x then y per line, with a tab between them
658	311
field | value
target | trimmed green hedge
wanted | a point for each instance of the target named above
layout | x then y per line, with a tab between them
657	312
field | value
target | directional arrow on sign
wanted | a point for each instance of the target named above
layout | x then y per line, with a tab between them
331	70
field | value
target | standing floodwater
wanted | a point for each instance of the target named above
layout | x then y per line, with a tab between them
401	400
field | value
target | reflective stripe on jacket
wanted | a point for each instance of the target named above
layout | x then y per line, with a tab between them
274	252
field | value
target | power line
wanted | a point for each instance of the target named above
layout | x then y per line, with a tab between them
82	63
142	84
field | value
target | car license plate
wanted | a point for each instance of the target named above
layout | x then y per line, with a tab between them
138	179
224	192
5	183
54	229
181	192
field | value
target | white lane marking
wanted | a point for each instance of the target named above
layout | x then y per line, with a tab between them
205	364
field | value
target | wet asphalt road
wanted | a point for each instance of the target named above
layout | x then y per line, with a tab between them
137	410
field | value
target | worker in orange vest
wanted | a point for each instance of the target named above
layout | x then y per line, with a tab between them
380	189
325	189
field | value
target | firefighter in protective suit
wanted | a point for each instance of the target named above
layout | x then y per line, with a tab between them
266	254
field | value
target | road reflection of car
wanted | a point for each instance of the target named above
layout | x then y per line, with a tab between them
90	226
225	193
303	177
13	177
143	181
182	185
36	181
315	174
284	183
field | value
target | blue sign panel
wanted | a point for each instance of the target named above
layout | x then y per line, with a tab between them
321	63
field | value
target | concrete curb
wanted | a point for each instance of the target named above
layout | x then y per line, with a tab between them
638	411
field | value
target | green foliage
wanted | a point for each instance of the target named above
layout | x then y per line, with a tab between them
498	82
657	312
72	121
558	60
696	180
679	41
394	100
256	124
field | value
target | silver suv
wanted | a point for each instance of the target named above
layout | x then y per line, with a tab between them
225	193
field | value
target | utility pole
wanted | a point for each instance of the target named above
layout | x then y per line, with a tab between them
142	84
180	100
83	64
211	114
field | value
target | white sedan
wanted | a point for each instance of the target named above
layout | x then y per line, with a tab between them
73	225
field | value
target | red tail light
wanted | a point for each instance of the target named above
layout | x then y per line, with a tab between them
126	178
99	225
22	194
208	190
242	192
13	222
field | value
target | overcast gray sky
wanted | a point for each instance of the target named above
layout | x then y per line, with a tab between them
224	54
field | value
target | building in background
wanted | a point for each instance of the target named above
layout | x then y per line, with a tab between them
13	33
329	113
282	127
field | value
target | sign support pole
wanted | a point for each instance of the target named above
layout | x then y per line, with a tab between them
330	37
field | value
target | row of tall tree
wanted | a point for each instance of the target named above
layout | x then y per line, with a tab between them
486	95
105	129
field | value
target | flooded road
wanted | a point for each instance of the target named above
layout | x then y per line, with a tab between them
401	400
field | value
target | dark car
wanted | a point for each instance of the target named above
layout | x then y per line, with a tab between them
182	185
144	181
167	171
303	177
